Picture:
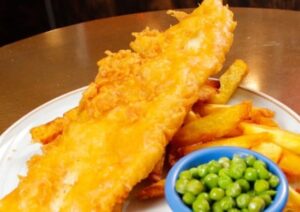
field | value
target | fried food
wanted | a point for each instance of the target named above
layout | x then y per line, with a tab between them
207	109
293	204
207	91
213	126
48	132
179	15
229	81
289	163
126	116
154	190
158	170
243	141
269	149
283	138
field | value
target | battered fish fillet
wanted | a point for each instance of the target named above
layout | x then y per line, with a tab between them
126	116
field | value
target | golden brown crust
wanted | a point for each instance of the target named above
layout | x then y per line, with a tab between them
126	118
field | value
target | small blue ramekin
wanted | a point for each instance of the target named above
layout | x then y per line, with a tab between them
203	156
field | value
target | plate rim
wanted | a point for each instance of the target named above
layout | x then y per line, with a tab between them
81	89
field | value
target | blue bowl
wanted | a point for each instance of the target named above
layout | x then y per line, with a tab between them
203	156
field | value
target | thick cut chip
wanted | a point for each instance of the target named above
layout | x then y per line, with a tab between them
190	117
293	204
270	150
244	141
213	126
290	163
230	80
283	138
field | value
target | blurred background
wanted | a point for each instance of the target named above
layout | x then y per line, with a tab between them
23	18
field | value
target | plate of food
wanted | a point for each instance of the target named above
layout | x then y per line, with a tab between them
89	149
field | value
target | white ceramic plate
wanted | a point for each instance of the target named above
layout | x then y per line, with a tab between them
16	147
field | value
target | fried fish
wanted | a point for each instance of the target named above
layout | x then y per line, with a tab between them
126	116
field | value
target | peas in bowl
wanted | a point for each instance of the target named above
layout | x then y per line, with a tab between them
226	179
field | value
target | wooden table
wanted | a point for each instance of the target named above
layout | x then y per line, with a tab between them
37	69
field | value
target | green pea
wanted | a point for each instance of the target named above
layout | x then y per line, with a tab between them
202	170
270	192
267	198
243	200
224	172
224	161
216	194
185	175
244	210
188	198
250	159
234	210
227	203
233	190
274	181
224	181
259	163
203	183
244	184
261	186
217	207
250	174
180	185
194	186
201	205
251	193
214	167
211	180
256	204
194	172
204	195
263	173
236	171
237	158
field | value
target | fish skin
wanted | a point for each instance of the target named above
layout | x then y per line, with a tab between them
126	116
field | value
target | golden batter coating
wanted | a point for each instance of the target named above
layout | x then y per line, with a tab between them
126	116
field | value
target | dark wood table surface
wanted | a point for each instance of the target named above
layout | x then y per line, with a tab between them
38	69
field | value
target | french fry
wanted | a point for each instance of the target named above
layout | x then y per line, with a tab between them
290	162
258	115
263	116
293	204
293	181
213	126
262	112
154	190
206	109
230	80
283	138
244	141
269	149
157	172
190	117
263	121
